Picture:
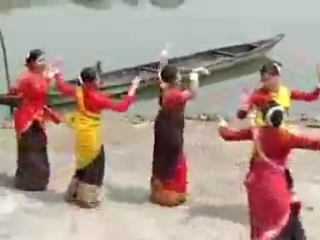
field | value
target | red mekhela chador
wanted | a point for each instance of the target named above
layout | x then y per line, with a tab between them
86	183
169	168
272	89
33	168
269	199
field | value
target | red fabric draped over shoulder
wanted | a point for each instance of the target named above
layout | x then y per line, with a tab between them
32	88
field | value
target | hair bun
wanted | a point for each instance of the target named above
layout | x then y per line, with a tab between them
273	114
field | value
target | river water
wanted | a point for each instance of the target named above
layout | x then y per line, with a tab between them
128	32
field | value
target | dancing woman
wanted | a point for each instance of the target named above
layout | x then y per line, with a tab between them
29	98
272	89
271	213
169	168
85	186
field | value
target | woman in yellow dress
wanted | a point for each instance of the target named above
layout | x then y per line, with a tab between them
85	186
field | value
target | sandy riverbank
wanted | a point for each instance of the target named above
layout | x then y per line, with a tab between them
216	209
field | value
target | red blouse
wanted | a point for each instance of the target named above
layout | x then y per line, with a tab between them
276	143
262	95
94	101
32	88
174	98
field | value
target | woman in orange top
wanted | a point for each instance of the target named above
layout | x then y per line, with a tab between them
272	217
85	187
33	168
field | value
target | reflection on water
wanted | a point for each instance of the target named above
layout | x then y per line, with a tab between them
8	5
131	3
106	4
94	4
167	3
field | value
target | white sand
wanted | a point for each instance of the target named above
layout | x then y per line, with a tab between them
216	208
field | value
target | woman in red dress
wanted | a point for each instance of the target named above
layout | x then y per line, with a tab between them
169	169
272	89
271	213
33	168
85	186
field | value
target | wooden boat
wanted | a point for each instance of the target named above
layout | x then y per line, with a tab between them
116	82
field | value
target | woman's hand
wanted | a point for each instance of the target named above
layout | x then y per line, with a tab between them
13	91
51	72
194	77
136	82
201	70
194	83
245	100
163	60
134	86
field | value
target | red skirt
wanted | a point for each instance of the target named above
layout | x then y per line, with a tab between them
178	182
170	191
269	202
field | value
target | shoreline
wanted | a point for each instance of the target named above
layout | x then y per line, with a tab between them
301	119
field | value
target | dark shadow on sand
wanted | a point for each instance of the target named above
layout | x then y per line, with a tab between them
131	195
49	196
233	213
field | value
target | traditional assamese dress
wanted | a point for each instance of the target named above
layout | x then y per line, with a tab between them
85	186
33	167
269	199
283	97
169	167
